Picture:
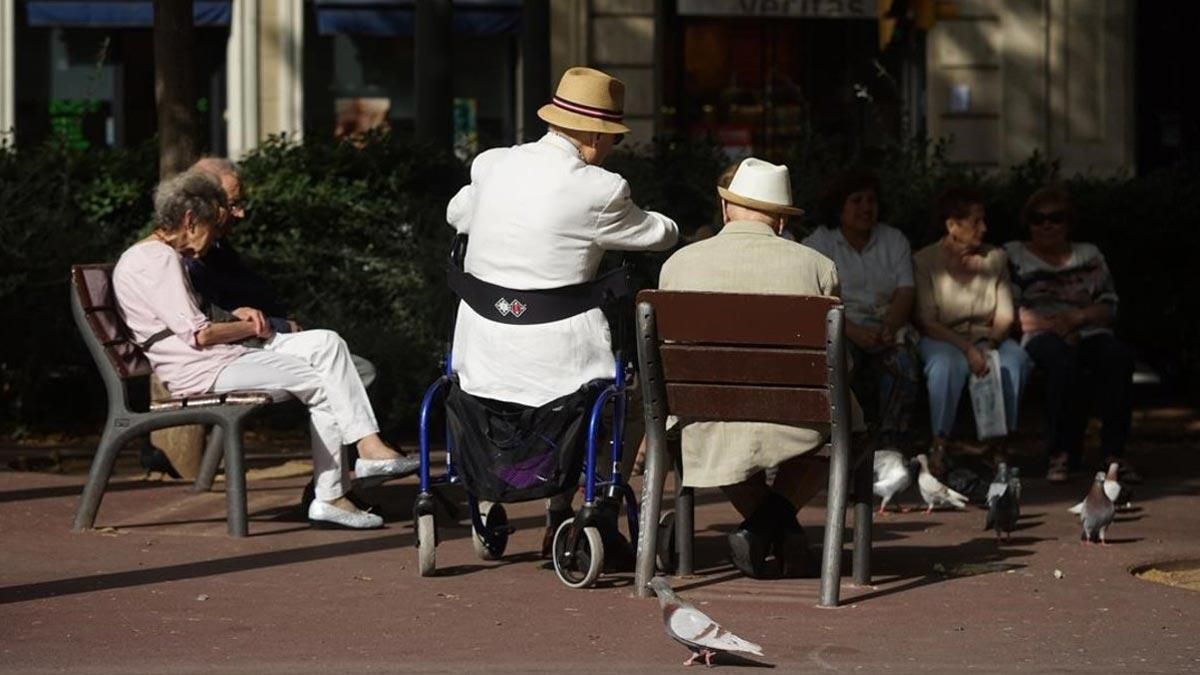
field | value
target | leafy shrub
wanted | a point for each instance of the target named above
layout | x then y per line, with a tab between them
355	238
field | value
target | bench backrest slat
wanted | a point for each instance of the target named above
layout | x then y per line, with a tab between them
744	365
747	403
741	357
794	321
92	286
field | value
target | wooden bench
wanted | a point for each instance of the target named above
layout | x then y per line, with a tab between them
122	367
750	358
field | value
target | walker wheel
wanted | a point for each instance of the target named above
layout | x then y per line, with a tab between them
496	520
426	544
580	566
668	557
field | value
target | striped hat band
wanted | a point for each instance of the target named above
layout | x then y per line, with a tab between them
586	110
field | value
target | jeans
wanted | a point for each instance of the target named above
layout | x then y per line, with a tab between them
946	373
1099	365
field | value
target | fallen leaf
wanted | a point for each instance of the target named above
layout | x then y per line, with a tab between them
202	597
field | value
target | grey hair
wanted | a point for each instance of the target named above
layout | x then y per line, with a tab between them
196	191
218	166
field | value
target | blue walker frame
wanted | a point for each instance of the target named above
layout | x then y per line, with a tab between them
596	490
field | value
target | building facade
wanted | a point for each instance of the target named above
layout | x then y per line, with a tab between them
1001	78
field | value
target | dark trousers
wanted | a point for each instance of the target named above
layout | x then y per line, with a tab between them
1099	366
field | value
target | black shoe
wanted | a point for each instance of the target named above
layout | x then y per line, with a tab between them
792	552
748	552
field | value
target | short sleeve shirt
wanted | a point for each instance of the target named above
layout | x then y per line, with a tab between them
869	277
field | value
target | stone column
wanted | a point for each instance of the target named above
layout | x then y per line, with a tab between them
281	68
241	58
8	80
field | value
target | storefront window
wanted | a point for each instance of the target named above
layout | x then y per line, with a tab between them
85	73
359	70
763	84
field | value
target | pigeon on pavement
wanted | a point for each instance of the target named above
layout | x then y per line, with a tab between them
1097	512
893	475
1117	493
933	491
153	459
694	629
1002	505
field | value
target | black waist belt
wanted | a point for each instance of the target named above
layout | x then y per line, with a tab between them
530	307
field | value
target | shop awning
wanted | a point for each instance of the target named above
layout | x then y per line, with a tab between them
117	13
398	17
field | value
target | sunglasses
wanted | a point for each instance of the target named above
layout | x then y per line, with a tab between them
618	139
1038	218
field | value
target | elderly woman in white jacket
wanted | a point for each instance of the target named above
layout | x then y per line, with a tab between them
541	215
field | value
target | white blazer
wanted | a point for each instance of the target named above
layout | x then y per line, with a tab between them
539	217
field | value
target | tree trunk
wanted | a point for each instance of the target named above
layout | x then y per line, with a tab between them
175	86
184	446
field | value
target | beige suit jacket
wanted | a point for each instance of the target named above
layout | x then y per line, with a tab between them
746	257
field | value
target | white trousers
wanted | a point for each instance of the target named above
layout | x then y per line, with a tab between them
315	367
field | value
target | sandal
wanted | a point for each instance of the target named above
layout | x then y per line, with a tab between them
1057	473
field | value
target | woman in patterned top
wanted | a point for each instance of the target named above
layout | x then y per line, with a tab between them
1066	306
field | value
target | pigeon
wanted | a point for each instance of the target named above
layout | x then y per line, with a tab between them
153	459
933	491
1117	493
893	475
694	629
1097	512
967	482
1003	507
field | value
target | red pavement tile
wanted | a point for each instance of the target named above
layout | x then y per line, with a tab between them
164	590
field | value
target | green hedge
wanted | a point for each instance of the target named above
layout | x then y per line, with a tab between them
355	240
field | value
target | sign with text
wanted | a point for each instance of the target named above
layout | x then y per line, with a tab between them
800	9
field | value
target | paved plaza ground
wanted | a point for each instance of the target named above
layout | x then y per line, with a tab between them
158	587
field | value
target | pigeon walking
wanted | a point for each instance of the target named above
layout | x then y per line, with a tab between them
893	475
1117	493
1097	512
153	459
1003	507
694	629
933	491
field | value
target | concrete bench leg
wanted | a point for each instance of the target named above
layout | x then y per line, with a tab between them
235	481
102	465
213	453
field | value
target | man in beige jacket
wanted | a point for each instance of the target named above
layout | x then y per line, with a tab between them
749	256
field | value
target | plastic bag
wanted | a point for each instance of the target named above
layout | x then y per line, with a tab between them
987	398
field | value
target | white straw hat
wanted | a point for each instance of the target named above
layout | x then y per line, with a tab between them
761	186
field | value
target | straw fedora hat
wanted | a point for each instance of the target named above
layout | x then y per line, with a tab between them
587	100
761	186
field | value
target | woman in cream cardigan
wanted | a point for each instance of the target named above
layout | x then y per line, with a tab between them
964	310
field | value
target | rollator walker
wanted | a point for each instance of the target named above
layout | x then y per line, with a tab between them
504	453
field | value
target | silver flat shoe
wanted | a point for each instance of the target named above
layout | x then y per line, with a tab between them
323	515
387	468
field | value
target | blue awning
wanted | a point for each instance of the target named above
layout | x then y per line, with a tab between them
397	17
117	13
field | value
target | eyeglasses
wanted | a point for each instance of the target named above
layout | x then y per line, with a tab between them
1039	218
